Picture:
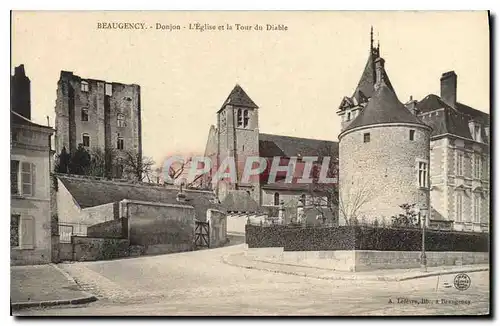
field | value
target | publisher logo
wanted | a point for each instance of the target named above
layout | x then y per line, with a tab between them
462	282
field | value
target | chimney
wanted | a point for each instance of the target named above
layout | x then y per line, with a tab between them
379	72
449	88
20	92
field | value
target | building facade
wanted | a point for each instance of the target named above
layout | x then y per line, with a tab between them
237	136
30	219
457	159
98	114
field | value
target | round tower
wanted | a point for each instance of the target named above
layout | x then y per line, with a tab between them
383	158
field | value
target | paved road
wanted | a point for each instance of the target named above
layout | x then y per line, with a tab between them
199	283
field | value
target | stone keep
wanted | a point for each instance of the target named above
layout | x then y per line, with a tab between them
383	158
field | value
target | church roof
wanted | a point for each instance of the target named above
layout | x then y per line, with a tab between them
383	107
286	146
238	97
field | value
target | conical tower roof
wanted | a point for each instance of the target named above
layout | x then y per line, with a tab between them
238	97
383	106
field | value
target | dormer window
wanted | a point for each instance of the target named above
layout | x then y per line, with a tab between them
84	86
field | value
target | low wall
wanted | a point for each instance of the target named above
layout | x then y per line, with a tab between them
65	252
111	229
90	249
367	260
55	248
218	228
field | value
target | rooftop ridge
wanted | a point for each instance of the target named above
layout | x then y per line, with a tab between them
315	139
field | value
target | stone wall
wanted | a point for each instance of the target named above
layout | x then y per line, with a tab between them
159	228
111	229
91	249
218	228
383	171
65	252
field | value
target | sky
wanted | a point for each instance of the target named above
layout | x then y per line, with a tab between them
297	77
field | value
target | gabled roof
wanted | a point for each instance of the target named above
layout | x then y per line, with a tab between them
286	146
383	107
90	192
238	97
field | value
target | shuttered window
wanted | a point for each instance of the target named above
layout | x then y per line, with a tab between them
28	179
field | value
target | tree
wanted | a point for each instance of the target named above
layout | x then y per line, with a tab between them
178	170
137	167
101	162
407	219
79	161
352	199
62	161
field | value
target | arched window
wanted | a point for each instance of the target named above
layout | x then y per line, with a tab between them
245	118
86	140
85	114
119	143
276	199
121	120
240	118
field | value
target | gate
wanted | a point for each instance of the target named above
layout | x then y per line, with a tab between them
201	235
65	233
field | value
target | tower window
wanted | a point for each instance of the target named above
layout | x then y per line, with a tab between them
86	140
85	114
84	86
422	175
240	118
412	134
366	137
349	116
245	118
121	120
119	143
108	89
276	199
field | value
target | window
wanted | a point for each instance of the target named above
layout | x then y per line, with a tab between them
245	118
460	163
412	134
121	120
458	207
478	162
84	86
27	179
108	89
276	199
366	138
14	230
86	140
349	116
422	175
85	114
477	208
240	118
119	142
14	177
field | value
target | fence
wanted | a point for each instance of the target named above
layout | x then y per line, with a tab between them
65	233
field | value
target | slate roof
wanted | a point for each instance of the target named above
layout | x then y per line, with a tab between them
240	201
383	107
90	192
286	146
238	97
450	120
366	84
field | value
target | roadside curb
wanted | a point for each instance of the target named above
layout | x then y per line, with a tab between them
50	303
353	276
87	298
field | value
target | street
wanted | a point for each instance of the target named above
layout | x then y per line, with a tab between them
199	283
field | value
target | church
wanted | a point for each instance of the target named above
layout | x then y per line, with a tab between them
434	153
